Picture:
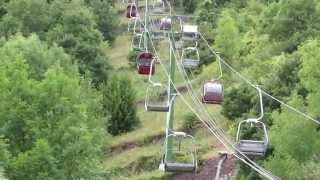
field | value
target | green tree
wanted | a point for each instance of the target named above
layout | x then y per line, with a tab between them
76	33
37	54
237	101
228	38
4	155
31	14
294	140
60	108
37	163
291	22
119	103
106	17
309	74
73	125
3	9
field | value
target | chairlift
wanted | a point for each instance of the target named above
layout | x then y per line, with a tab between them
157	35
132	11
157	98
250	146
144	63
128	1
190	33
137	25
181	166
156	32
212	92
166	24
190	58
136	44
159	7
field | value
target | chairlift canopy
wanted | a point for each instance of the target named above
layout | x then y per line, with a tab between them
131	11
212	92
144	63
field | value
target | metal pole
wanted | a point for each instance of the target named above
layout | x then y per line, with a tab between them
146	22
172	94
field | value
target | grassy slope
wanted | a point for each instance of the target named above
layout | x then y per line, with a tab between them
140	160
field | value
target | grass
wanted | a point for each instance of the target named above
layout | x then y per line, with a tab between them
124	159
154	175
152	124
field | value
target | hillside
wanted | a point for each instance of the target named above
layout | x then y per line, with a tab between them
210	88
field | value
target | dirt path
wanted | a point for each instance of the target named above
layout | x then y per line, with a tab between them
157	139
208	169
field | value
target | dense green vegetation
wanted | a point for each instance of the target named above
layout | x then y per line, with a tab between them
65	111
53	71
276	44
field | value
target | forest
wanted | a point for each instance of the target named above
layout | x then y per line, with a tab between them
72	102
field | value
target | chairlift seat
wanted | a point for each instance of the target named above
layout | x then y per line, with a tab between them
250	147
179	167
157	35
179	44
212	92
158	10
158	108
190	63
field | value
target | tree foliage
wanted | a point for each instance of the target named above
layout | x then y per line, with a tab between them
73	25
52	133
119	103
237	101
106	17
76	33
291	21
298	143
275	44
228	38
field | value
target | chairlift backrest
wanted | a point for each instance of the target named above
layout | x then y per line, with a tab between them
159	7
165	23
189	32
156	32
